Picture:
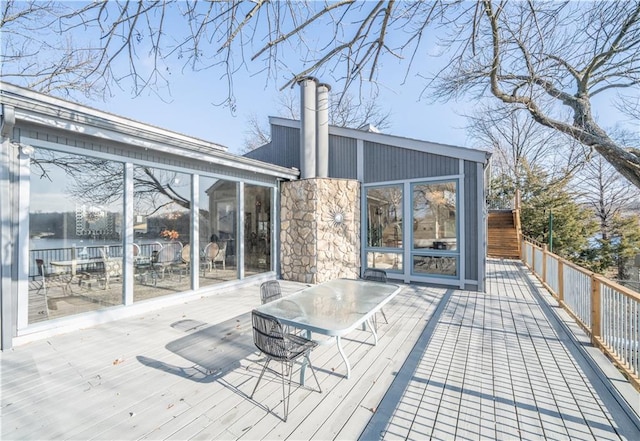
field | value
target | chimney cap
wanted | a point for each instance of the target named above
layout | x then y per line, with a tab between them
308	78
328	86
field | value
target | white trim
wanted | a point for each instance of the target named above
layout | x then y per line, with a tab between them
7	253
23	183
482	229
360	160
468	154
195	232
128	220
240	230
460	224
407	233
34	104
275	171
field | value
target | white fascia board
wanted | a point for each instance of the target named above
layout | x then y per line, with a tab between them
453	151
76	114
43	110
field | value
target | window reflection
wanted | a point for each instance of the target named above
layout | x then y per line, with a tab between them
434	216
218	230
385	261
162	227
75	234
257	229
384	216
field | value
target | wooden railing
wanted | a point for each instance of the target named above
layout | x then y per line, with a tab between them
608	311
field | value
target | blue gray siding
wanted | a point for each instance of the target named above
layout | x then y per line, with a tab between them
471	221
342	157
388	163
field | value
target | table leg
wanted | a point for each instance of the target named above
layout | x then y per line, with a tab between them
344	357
303	368
373	331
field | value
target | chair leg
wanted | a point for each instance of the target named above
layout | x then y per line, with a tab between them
285	395
264	368
313	371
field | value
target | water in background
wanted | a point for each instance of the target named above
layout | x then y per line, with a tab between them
49	244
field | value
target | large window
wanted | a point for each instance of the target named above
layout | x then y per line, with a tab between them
79	257
384	228
162	228
422	245
75	234
257	229
218	226
434	232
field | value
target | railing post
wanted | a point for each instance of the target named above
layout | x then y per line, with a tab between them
595	309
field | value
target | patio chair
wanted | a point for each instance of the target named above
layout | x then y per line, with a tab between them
50	279
270	291
270	337
376	275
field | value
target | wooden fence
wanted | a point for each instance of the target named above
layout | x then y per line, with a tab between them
608	311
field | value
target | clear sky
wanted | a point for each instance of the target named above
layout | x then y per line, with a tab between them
191	110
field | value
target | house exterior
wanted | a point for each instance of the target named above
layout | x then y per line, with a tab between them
420	213
103	217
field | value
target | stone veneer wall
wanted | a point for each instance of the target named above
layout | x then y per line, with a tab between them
320	230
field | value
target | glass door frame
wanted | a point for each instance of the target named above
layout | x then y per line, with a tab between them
408	274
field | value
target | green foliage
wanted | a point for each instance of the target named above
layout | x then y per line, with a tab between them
542	198
613	255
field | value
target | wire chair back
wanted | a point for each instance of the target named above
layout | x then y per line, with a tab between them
375	275
270	291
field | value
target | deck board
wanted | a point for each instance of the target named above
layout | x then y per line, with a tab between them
449	364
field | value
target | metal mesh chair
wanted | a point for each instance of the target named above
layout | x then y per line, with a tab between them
376	275
271	337
270	291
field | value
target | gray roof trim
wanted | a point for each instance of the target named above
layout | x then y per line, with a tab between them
453	151
43	110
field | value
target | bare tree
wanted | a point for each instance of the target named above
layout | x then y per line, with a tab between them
519	143
608	196
346	111
548	58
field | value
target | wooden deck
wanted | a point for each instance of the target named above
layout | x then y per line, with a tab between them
450	364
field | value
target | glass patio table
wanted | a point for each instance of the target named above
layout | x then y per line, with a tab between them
333	308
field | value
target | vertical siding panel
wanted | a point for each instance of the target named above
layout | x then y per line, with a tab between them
471	221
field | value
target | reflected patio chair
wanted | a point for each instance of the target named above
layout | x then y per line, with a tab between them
168	258
376	275
112	269
49	280
272	339
221	256
210	252
270	291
